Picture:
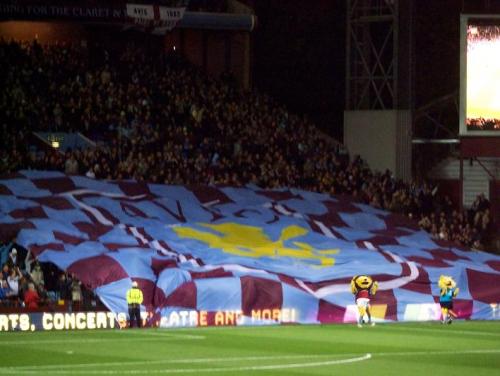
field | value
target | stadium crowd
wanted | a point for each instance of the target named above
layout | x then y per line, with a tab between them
161	120
25	282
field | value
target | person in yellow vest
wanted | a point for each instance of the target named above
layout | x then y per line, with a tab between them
134	301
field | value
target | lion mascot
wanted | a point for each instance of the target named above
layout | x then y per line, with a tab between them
363	287
448	291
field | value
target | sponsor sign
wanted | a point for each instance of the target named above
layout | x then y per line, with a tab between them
58	321
29	322
83	12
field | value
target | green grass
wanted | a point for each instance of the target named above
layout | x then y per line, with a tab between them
463	348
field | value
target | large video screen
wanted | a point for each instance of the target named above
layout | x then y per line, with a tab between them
480	81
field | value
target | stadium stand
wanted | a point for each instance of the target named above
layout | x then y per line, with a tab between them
159	119
164	121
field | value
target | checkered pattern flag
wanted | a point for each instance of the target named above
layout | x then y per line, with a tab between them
260	253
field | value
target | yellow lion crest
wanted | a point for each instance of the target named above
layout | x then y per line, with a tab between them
251	241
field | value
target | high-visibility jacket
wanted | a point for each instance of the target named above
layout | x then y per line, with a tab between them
134	296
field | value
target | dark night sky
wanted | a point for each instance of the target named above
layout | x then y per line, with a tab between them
299	57
299	53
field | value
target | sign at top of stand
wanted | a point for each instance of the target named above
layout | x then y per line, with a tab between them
157	18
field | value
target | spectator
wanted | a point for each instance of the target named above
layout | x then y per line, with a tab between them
5	291
71	165
4	252
64	287
168	123
31	298
37	275
76	293
5	272
13	281
51	278
13	260
23	287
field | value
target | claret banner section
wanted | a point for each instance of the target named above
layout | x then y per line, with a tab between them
222	255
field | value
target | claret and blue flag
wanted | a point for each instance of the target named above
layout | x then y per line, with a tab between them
220	255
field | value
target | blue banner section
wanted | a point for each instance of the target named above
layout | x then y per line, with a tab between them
263	254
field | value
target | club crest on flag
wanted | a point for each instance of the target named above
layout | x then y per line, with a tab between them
252	241
257	253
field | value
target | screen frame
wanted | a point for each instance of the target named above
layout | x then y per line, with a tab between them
464	21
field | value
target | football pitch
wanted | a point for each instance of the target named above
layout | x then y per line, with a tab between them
463	348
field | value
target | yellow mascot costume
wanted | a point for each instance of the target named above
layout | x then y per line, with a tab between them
363	287
448	291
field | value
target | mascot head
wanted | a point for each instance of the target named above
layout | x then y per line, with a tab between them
363	281
445	281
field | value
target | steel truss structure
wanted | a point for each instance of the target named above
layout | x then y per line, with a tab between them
372	54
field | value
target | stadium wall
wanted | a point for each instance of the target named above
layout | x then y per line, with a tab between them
450	188
382	138
480	147
495	204
44	32
214	51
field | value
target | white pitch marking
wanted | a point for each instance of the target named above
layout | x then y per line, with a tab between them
170	361
447	330
197	370
99	340
160	334
66	368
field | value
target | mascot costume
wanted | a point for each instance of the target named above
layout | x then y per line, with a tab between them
448	291
363	287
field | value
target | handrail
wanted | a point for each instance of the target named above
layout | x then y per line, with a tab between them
485	168
421	111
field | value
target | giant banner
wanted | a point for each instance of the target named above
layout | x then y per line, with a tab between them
239	256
